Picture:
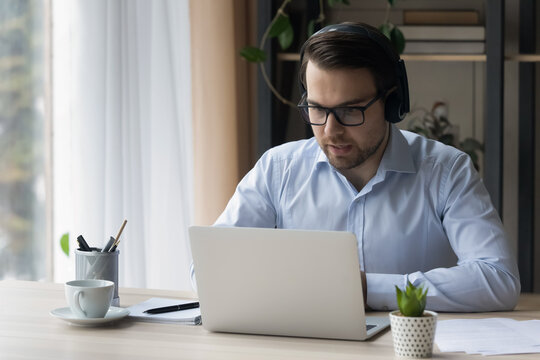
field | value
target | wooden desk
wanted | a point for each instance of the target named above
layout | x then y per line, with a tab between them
28	331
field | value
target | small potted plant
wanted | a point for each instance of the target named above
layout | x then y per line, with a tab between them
413	328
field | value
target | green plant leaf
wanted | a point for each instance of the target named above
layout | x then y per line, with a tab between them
386	29
64	243
399	294
253	54
279	26
311	27
412	301
397	39
391	2
286	37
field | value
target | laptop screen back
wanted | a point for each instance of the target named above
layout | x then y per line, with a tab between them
279	282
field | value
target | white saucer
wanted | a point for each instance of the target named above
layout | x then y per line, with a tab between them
114	314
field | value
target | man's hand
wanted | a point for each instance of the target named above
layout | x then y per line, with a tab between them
364	287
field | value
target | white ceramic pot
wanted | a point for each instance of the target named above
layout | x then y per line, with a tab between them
413	336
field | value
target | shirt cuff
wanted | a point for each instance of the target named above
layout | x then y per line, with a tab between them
381	291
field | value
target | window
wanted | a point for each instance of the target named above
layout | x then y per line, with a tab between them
23	235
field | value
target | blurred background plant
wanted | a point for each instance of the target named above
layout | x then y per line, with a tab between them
281	28
64	243
434	124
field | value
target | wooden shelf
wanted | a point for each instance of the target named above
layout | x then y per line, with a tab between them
288	57
407	57
524	57
436	57
444	57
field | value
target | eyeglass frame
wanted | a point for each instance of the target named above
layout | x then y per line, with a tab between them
328	110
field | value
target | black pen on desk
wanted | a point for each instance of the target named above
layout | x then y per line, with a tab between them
172	308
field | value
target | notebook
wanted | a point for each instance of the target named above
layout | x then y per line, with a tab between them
281	282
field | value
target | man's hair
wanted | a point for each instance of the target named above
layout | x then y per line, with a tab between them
346	50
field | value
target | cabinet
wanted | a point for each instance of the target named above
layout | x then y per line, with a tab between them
274	123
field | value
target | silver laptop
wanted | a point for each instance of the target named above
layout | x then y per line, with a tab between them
281	282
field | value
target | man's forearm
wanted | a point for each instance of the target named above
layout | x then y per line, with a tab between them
472	287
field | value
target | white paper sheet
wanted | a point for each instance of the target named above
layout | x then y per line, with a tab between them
493	336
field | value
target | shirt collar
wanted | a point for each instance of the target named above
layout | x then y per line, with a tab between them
397	155
322	156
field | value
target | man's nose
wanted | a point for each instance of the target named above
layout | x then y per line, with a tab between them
332	126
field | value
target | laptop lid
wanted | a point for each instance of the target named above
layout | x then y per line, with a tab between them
280	282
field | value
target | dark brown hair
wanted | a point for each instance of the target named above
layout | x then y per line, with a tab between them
347	50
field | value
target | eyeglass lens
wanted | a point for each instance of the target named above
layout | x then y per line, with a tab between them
345	115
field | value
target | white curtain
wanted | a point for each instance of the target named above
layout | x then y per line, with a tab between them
122	135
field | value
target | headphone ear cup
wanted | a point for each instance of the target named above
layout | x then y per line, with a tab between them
392	111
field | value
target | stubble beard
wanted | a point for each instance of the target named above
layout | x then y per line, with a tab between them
357	158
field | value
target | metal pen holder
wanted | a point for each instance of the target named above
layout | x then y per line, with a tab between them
98	265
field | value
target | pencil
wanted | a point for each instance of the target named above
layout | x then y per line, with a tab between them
118	236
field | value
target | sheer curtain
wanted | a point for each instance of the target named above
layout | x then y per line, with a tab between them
123	135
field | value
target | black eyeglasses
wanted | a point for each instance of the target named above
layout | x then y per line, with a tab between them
345	115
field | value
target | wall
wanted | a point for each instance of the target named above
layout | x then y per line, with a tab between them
222	103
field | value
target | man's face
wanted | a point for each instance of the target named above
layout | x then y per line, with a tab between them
346	147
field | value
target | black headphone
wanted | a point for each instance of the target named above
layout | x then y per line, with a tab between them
397	102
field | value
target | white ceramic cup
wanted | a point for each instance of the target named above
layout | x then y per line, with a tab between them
89	298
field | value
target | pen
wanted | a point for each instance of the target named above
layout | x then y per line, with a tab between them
113	249
172	308
108	245
83	245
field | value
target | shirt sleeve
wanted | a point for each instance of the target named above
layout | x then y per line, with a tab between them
252	204
486	276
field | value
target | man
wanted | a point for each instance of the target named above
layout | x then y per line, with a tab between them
418	208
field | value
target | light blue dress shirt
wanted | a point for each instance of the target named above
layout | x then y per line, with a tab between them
425	217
